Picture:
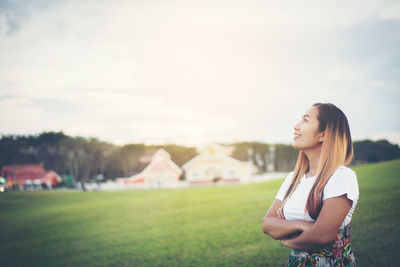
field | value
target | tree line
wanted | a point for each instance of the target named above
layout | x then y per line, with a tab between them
85	158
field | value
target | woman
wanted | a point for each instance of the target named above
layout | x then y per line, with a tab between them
314	205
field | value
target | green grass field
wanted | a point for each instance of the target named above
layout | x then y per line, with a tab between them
215	226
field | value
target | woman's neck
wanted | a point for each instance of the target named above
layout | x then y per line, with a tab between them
313	158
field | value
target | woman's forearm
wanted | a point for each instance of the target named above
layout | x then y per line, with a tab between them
308	240
279	228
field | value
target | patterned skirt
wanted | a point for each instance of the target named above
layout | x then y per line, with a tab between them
339	253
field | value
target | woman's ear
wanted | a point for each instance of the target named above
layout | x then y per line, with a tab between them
322	137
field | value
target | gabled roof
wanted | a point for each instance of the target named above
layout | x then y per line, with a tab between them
217	151
140	168
147	156
146	159
200	158
220	147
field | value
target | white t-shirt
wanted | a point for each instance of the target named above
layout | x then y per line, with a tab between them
343	181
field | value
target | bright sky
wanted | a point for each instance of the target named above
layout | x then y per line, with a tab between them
192	72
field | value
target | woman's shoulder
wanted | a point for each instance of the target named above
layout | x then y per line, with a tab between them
342	177
343	174
343	180
289	176
343	170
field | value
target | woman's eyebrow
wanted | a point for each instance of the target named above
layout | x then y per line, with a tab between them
306	116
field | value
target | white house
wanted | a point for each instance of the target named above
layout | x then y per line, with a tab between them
215	165
156	169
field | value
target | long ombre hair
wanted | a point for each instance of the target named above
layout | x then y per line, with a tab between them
337	149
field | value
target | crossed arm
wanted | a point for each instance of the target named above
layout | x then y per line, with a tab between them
307	235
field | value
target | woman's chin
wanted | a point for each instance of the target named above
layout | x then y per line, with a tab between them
295	145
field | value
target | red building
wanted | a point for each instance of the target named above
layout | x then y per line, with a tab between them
19	174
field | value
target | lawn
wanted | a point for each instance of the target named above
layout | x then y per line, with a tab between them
214	226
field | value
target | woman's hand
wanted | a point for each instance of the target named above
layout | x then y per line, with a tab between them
304	225
279	212
286	242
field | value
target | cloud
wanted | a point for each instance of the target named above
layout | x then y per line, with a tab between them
192	72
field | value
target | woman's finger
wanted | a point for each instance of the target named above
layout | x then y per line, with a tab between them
280	214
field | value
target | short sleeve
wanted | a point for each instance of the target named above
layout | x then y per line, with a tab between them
284	187
343	181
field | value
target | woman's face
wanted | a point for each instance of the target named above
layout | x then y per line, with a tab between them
306	134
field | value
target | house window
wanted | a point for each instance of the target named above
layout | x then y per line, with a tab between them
232	173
